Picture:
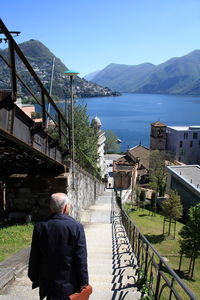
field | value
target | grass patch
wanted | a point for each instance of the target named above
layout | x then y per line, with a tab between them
152	228
14	238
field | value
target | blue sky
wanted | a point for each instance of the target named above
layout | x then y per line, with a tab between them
87	35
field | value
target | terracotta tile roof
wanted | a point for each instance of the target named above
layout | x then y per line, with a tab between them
125	160
140	152
158	124
128	161
124	163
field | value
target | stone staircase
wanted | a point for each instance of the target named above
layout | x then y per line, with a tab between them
99	243
111	263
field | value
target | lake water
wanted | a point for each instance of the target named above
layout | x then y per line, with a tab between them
129	116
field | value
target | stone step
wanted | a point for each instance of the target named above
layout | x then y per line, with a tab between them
18	290
99	270
101	295
124	279
127	295
14	297
102	278
129	271
101	292
104	255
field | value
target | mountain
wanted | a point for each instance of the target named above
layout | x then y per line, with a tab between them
90	76
40	58
175	76
179	75
122	77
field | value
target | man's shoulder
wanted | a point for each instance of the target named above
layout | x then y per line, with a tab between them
73	221
61	219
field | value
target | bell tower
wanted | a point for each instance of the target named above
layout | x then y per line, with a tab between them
158	136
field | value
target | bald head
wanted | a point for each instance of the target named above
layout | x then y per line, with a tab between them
58	202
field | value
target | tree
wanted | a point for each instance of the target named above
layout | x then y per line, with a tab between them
172	210
190	233
111	144
36	115
157	174
137	191
85	137
142	197
153	203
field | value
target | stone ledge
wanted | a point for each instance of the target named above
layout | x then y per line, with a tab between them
6	275
10	267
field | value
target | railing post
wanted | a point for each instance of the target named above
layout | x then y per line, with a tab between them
13	82
130	233
127	225
133	239
138	250
12	69
158	280
170	295
43	109
129	229
59	129
146	260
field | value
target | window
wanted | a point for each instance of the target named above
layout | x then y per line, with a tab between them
191	144
181	144
181	152
195	135
199	143
185	135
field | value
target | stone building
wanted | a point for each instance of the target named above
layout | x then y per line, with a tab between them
158	136
140	154
133	166
124	172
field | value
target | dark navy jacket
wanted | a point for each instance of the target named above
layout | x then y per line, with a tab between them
58	258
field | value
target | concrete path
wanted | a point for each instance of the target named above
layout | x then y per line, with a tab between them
112	266
99	242
109	167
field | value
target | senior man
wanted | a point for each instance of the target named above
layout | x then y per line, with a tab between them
58	258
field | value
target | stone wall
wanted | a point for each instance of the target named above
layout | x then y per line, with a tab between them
86	189
30	194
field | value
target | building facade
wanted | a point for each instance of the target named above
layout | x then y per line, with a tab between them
132	167
186	181
183	143
124	172
140	154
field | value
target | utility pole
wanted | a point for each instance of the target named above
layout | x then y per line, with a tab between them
71	74
50	89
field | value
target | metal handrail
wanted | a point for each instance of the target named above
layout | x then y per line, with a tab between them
13	47
150	259
87	159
